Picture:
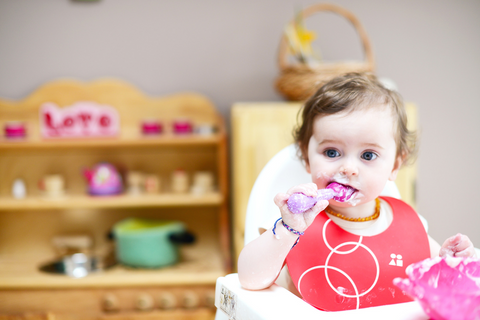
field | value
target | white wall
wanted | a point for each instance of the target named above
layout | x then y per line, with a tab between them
227	50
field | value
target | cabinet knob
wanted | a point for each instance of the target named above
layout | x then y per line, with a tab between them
167	300
110	302
144	302
190	300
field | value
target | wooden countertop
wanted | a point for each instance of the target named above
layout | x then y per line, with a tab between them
199	265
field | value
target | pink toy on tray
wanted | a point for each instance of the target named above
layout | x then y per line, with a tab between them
446	288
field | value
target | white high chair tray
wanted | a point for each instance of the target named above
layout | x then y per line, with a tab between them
240	304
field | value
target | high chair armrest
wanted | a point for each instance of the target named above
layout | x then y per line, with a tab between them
278	303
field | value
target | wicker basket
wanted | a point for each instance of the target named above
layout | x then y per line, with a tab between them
299	81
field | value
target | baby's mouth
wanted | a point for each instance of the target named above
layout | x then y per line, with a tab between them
343	192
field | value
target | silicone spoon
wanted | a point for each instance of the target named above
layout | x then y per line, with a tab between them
298	202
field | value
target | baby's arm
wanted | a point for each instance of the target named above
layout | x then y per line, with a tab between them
261	260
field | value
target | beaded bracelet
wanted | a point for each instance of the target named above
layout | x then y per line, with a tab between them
298	233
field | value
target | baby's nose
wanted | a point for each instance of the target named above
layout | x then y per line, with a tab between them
349	170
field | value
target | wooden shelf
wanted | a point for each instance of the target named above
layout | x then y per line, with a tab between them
162	140
120	201
28	225
200	265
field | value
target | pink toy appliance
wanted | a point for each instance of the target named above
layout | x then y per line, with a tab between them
103	180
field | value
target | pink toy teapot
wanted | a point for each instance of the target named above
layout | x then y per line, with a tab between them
103	179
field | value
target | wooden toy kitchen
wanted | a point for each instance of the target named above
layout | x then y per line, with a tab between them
156	160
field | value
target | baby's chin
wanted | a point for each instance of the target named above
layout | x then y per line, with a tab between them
339	204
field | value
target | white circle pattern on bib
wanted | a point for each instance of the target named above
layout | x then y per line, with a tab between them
327	267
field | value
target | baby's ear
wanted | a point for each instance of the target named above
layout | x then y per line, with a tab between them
396	167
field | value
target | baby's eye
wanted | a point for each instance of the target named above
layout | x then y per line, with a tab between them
331	153
369	156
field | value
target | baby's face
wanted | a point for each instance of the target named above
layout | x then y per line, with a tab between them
355	149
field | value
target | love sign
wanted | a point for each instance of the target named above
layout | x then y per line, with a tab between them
82	119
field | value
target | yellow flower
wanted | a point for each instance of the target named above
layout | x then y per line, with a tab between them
300	39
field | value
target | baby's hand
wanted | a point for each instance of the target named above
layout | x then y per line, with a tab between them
300	221
458	246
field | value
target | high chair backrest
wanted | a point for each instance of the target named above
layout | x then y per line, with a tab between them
282	172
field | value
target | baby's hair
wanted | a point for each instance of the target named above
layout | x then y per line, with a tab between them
350	92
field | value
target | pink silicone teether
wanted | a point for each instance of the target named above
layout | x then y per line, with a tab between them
298	202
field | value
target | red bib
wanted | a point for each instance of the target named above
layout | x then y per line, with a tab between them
335	270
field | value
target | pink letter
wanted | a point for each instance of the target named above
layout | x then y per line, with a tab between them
48	120
105	121
68	122
85	117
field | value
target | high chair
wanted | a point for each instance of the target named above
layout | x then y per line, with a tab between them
282	172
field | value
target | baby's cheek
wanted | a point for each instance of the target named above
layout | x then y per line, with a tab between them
377	186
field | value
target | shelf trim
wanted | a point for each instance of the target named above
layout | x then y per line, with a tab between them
120	201
165	140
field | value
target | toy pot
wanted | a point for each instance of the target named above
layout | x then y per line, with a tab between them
148	243
14	130
151	127
182	126
53	185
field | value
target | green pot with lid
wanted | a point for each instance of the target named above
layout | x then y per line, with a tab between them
149	243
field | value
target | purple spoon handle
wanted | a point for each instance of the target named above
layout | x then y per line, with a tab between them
298	202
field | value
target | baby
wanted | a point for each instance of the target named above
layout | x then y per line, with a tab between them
344	253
